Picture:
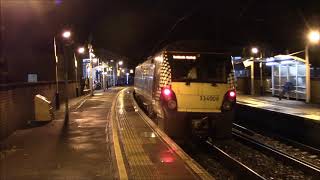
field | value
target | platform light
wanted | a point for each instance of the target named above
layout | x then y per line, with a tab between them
66	34
254	50
314	36
81	50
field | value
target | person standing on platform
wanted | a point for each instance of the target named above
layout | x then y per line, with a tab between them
288	86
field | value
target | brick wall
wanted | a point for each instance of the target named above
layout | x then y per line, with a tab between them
17	103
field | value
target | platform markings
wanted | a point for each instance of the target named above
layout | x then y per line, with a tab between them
191	164
116	144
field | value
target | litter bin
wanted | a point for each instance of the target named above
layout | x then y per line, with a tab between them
43	108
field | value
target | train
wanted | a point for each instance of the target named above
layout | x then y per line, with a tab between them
188	91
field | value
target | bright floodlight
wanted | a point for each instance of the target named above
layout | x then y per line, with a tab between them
66	34
120	63
81	50
254	50
314	36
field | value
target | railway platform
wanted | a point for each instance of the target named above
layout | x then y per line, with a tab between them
285	106
107	137
144	151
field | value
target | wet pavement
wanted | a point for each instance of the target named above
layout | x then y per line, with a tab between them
77	149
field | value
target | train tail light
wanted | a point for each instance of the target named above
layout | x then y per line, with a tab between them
169	97
166	91
229	100
232	95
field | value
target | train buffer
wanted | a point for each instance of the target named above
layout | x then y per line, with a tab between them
142	150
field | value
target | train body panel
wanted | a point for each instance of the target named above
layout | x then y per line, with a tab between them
199	97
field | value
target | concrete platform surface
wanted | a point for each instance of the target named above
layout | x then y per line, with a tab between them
291	107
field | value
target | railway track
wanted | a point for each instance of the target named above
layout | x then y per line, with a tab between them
298	155
241	170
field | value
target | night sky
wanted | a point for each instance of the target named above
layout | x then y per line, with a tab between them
136	28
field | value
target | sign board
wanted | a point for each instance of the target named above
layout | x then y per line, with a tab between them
32	78
247	63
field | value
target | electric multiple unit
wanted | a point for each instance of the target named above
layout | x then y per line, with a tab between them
188	92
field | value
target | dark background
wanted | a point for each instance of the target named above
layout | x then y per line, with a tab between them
136	29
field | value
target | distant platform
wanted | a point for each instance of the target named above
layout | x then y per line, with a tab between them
285	106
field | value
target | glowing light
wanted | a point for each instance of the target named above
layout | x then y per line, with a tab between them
167	157
159	58
254	50
120	63
184	57
166	91
270	59
94	60
314	36
81	50
232	94
131	71
66	34
122	70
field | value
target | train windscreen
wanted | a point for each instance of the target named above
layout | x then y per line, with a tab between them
203	68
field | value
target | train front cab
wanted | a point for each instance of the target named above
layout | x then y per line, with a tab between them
200	99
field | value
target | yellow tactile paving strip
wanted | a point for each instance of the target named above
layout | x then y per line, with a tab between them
138	160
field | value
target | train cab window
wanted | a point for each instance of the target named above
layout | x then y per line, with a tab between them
203	69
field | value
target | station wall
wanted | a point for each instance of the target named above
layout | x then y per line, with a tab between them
17	102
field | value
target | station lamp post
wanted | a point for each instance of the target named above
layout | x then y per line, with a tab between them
91	55
57	78
120	63
254	51
313	38
80	50
66	35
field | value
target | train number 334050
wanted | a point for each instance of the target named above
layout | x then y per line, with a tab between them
209	98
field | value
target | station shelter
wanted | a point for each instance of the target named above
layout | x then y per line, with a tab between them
286	68
268	75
